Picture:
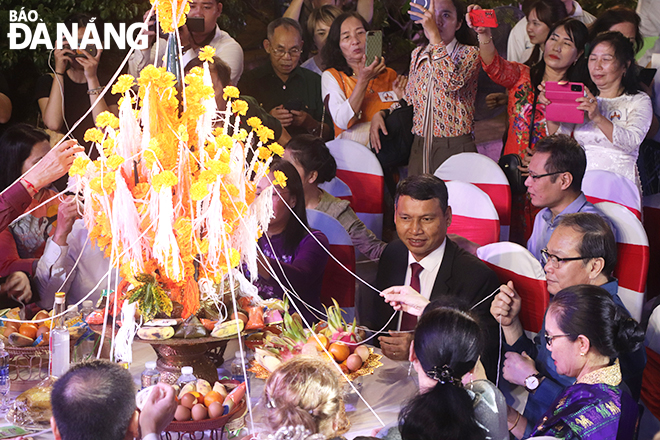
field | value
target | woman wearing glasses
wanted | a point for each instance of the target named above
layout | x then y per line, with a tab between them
585	331
356	90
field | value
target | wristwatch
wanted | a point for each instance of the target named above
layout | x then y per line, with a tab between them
532	382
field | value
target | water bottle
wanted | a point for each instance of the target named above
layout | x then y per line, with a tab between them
150	376
87	308
187	376
59	340
237	372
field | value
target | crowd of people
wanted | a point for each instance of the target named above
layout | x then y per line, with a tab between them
582	371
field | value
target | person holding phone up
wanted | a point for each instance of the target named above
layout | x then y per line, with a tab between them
617	114
355	91
447	69
527	123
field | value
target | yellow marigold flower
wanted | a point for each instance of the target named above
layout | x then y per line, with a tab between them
164	179
198	191
114	161
124	82
152	154
207	176
254	122
241	135
95	185
108	146
203	246
276	149
280	178
224	156
109	183
105	119
265	134
234	257
150	73
232	190
230	92
224	141
93	135
239	106
217	167
263	152
183	133
207	53
79	166
217	131
197	70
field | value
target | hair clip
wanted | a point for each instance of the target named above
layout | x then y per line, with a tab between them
270	403
443	375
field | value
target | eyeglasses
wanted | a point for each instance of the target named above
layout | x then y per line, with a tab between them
549	339
293	52
536	177
556	261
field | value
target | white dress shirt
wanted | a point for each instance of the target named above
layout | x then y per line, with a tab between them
226	48
431	264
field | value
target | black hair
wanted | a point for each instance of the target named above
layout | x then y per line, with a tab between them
579	35
288	23
566	156
590	311
464	34
15	147
549	12
597	237
312	153
331	52
94	400
624	54
222	69
423	187
614	16
448	343
295	231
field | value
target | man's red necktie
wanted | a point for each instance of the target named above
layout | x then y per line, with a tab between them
408	321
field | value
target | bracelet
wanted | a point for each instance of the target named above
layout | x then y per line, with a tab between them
95	91
515	424
58	73
30	187
485	42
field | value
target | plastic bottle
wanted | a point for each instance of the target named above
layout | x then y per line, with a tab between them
59	340
87	308
150	376
4	361
237	372
187	376
5	383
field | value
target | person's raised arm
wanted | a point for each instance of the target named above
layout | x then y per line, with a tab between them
52	106
51	167
90	64
505	308
364	75
366	9
294	9
487	49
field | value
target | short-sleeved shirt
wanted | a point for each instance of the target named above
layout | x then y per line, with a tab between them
304	85
76	103
545	225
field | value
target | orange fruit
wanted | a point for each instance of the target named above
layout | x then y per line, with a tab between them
29	330
212	396
340	351
323	340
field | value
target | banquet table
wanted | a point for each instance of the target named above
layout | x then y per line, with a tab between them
386	391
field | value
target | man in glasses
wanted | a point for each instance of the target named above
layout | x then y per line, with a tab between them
290	93
581	250
555	184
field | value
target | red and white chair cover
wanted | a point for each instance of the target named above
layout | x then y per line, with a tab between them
651	378
512	262
337	282
473	214
606	186
485	174
632	256
652	227
359	168
338	188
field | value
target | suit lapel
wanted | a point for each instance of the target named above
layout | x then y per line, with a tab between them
442	280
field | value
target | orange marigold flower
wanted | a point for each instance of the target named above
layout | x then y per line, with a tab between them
140	190
263	152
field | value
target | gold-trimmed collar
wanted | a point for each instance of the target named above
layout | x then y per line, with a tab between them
610	375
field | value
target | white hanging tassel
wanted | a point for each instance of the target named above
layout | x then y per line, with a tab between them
247	288
130	134
205	122
262	208
124	340
165	245
126	223
215	230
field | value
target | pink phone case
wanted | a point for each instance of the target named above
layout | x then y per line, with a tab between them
562	107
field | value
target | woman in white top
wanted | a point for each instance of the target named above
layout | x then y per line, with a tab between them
618	117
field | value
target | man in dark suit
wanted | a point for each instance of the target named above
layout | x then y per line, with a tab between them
433	265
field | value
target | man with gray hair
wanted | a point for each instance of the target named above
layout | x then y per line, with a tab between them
286	90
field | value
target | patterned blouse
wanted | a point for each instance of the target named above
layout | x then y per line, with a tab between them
515	77
456	70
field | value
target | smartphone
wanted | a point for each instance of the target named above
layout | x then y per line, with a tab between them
91	49
195	24
483	18
562	107
646	76
295	104
374	46
424	3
